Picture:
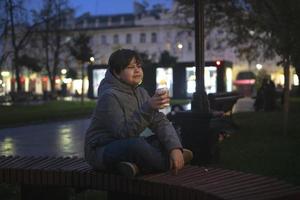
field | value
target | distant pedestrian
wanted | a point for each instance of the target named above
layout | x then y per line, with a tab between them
266	96
270	96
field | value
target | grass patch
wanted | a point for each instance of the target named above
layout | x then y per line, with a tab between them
260	147
15	115
48	111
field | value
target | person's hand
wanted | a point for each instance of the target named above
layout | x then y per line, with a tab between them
159	100
176	160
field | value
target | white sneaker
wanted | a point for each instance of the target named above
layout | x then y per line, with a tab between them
187	156
128	169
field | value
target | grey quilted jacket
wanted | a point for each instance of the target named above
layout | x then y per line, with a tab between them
123	111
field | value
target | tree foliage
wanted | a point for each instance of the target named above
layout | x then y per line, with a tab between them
269	27
30	63
19	31
167	60
80	48
52	17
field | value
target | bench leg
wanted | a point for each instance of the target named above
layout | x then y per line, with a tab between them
30	192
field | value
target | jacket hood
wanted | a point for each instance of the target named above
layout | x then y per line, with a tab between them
112	82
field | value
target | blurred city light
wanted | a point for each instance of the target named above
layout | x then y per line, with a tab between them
258	66
67	80
5	73
179	46
92	59
63	71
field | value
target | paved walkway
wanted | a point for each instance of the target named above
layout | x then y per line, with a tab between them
64	138
54	139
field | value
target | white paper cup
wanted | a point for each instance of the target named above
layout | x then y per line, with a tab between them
161	91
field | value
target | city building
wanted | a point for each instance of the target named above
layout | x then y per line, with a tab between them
148	31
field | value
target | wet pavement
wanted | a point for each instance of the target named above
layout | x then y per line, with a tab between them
65	138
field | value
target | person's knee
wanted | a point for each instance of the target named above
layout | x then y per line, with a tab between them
138	144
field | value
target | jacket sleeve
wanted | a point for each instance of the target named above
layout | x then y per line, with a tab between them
164	129
165	132
111	113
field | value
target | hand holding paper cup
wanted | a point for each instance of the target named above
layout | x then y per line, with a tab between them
163	93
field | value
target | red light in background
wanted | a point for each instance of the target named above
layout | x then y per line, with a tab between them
22	79
244	82
218	63
45	79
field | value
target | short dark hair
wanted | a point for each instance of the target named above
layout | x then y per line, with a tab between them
121	58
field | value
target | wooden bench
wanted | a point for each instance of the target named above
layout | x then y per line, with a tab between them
192	183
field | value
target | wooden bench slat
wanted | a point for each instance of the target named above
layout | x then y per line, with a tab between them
257	189
219	183
235	185
274	195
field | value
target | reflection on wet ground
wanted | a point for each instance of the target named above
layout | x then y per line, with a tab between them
64	138
53	139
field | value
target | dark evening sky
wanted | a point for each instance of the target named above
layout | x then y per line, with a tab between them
103	6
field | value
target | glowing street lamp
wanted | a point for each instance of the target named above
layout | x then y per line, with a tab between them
258	66
63	71
179	46
5	73
92	59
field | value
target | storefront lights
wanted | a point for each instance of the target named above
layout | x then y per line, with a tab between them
67	80
5	73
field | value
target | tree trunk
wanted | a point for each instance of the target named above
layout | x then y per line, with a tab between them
15	48
286	68
17	73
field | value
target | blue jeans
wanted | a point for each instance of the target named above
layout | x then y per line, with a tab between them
147	153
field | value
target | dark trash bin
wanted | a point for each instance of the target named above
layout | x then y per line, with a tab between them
196	135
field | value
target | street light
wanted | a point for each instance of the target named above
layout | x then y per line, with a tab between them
258	66
63	71
92	59
179	46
